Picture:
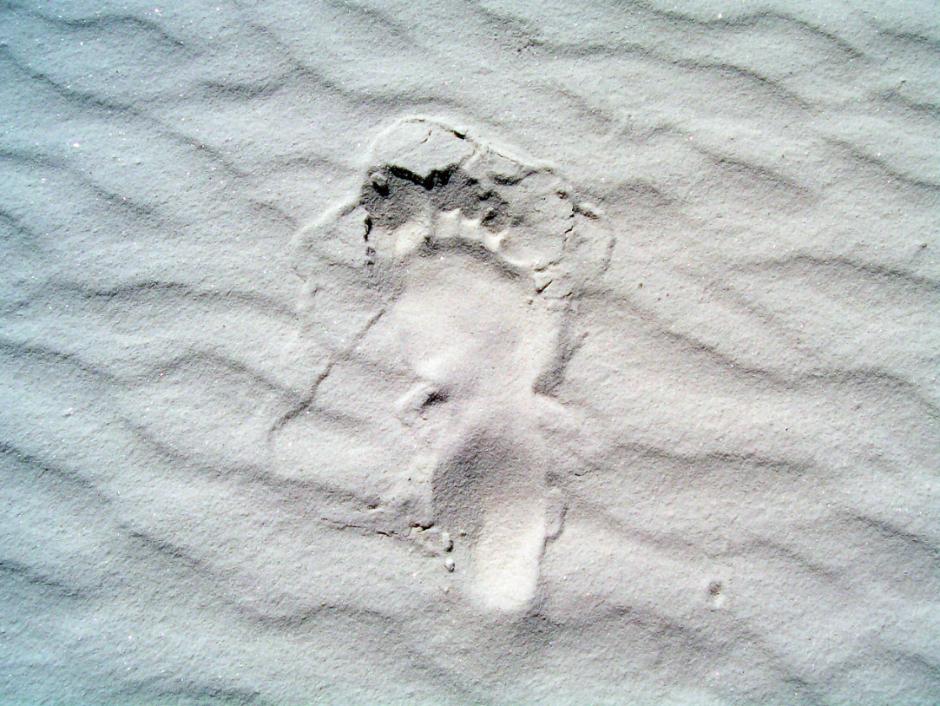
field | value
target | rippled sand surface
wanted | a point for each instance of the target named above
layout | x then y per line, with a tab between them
470	353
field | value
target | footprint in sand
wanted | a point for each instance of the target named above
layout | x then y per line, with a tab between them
469	251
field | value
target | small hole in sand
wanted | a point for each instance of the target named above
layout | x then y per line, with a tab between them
436	397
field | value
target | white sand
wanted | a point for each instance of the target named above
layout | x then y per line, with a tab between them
470	353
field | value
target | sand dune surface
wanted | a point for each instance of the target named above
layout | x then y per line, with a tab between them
484	352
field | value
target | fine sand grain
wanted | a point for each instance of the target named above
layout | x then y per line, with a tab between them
470	353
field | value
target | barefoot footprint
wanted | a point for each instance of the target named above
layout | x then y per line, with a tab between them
469	250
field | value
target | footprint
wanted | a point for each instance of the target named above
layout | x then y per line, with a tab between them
490	491
470	257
